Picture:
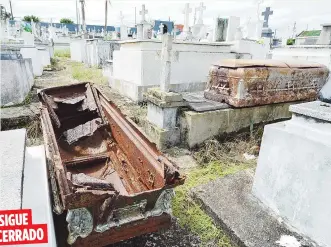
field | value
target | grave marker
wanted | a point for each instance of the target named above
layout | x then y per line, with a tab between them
266	15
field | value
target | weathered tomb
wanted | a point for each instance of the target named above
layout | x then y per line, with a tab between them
242	83
286	202
136	66
93	52
180	118
16	77
293	173
104	172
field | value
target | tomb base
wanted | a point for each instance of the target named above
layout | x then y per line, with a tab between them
293	176
162	116
136	92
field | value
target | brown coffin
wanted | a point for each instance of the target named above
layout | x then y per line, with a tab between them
242	83
105	175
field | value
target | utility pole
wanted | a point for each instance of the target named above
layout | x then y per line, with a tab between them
11	10
106	13
82	2
294	30
135	16
77	21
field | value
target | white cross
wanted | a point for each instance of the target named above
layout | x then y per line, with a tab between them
121	17
186	13
200	10
143	12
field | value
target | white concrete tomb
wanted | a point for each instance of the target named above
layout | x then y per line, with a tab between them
293	175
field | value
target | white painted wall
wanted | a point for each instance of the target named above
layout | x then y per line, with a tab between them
313	53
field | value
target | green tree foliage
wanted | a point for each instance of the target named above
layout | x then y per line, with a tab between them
28	18
66	21
290	42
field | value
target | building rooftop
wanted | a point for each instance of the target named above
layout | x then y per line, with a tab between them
310	33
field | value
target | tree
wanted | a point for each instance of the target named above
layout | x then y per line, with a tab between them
290	42
4	14
66	21
28	18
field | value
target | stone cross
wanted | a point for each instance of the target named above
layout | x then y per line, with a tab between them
166	62
143	12
266	15
200	10
186	13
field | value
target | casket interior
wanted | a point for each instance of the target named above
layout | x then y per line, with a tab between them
94	150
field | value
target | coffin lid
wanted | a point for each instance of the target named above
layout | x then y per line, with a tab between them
243	63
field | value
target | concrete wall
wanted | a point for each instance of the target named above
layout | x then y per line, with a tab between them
318	54
293	176
16	80
199	127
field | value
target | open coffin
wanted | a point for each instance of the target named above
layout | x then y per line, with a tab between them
111	182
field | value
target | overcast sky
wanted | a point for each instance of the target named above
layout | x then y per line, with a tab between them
306	13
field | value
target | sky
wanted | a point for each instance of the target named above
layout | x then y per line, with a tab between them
306	13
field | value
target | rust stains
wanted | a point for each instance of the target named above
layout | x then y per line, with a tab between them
97	158
242	83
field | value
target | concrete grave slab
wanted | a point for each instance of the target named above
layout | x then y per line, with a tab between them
12	151
230	203
36	183
197	102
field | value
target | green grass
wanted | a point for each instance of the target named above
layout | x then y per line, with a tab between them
62	53
190	214
86	74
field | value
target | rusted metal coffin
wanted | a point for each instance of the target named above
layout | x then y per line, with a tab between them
109	180
241	82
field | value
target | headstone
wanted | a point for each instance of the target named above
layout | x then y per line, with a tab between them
199	30
200	10
187	10
220	29
143	13
266	15
233	24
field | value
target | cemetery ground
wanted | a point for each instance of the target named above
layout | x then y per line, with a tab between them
213	159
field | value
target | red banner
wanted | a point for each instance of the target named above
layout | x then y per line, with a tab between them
16	228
